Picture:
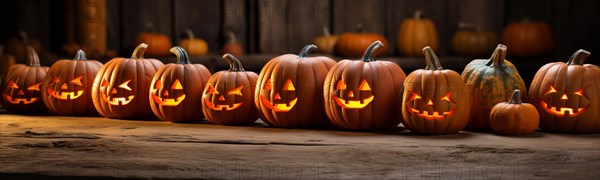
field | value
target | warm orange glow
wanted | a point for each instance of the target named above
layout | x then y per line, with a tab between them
105	83
211	90
158	85
125	85
289	86
35	87
116	101
413	96
430	103
168	101
221	107
364	86
166	93
580	92
64	95
550	90
278	107
236	91
277	96
19	100
177	85
77	81
12	85
55	79
562	111
353	104
447	97
435	115
221	98
564	97
268	86
350	94
340	85
64	86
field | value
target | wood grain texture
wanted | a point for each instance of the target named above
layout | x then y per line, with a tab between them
92	147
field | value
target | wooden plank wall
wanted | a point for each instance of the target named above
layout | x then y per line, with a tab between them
285	26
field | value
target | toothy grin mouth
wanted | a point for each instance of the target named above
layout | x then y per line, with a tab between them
222	107
168	101
64	95
117	100
278	107
353	104
433	116
563	111
19	100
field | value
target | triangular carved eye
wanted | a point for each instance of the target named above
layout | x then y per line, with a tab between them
414	96
77	80
340	85
125	85
268	86
551	89
447	97
364	86
176	85
581	93
13	85
236	91
211	90
158	84
55	79
105	83
289	86
35	87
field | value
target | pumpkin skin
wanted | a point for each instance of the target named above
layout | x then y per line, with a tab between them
159	44
194	47
228	98
175	89
473	41
353	45
326	43
514	117
121	87
415	33
6	61
490	81
362	94
21	86
566	95
288	90
528	38
232	46
434	100
67	87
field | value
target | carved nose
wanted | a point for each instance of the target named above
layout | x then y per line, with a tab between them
20	92
221	98
430	103
166	93
114	91
64	86
564	96
277	96
350	94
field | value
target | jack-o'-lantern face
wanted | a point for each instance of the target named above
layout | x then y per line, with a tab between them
65	92
564	98
353	98
119	95
168	98
416	100
221	103
15	95
277	103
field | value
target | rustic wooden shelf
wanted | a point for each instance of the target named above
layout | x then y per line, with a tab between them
95	147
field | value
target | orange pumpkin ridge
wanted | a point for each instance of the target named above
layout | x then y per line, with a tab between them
514	117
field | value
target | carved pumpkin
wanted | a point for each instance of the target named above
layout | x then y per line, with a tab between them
415	33
229	95
471	40
175	89
490	81
159	44
6	60
67	88
121	87
22	84
566	95
354	44
514	117
434	100
288	88
362	94
194	47
232	46
326	43
18	46
528	38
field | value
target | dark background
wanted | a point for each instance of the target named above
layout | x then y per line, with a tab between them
267	28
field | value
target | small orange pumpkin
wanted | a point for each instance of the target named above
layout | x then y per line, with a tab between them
194	47
158	44
514	117
232	46
354	44
416	33
326	43
21	87
528	38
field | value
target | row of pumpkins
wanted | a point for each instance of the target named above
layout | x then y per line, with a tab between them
526	39
298	91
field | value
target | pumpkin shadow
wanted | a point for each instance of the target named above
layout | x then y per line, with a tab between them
533	135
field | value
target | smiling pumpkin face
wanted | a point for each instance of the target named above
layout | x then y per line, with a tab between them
15	95
120	94
272	96
69	90
551	95
353	98
221	103
424	107
21	86
174	98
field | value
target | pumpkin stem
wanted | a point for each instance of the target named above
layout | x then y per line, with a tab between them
232	38
418	14
370	52
516	97
33	60
326	32
190	34
431	60
234	63
138	52
307	49
182	56
80	55
578	58
497	59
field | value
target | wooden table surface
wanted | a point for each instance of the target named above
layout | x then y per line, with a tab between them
95	147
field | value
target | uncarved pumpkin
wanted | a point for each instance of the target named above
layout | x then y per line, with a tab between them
528	38
67	87
121	87
354	44
567	95
362	94
416	33
288	90
514	117
490	81
232	46
326	43
193	46
228	97
471	40
434	100
22	84
158	44
175	89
